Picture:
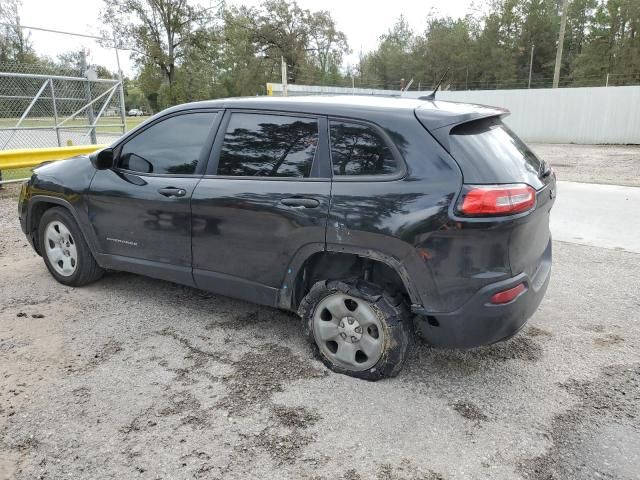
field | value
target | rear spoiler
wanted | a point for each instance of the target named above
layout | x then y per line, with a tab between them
440	117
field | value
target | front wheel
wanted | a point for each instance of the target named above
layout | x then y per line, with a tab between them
356	329
64	249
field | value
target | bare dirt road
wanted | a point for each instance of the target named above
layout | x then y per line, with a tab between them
138	378
605	164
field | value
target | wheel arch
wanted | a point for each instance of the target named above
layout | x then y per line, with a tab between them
310	261
39	204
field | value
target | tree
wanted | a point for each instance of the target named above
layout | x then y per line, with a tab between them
612	44
393	58
159	32
308	41
326	43
15	46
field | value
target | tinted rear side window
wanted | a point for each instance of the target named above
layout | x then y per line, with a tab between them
257	145
489	152
359	150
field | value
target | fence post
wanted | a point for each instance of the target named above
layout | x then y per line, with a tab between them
55	111
123	114
87	92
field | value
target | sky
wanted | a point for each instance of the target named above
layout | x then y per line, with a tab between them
363	21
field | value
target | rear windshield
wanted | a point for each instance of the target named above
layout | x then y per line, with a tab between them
489	152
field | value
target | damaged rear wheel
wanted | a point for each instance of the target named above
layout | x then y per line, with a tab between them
356	329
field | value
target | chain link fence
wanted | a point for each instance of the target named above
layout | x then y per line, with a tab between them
40	110
48	111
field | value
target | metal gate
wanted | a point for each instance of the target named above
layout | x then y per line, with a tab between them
48	111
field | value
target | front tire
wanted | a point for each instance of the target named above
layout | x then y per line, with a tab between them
356	329
64	249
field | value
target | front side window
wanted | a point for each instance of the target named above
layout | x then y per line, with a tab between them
359	150
259	145
171	146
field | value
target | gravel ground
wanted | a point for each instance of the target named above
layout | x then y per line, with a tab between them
138	378
610	164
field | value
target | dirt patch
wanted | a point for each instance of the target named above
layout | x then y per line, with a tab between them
107	351
405	471
295	417
351	474
282	446
258	375
537	332
470	411
81	394
139	422
254	318
183	404
608	340
609	402
593	328
283	439
608	164
199	356
466	361
518	348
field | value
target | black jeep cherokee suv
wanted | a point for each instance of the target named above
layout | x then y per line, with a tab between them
368	216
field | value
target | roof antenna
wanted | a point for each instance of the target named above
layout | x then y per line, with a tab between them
432	95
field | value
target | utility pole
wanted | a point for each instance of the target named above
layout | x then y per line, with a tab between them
531	65
563	26
285	87
87	91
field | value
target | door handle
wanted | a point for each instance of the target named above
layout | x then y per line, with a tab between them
172	192
297	202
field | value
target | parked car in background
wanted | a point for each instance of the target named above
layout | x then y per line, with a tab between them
368	216
135	112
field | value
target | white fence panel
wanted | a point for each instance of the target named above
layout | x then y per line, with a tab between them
588	115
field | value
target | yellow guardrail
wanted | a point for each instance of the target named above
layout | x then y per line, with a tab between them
32	157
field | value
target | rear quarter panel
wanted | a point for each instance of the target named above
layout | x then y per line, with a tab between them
397	217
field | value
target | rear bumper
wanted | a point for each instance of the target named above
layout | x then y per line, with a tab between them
478	322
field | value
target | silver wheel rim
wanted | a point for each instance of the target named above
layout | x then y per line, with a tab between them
60	248
348	332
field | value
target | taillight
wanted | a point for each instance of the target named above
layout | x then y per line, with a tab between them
506	296
496	200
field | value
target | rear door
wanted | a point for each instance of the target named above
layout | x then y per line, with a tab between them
265	196
141	209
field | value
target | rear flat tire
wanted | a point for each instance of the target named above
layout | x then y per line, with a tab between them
356	329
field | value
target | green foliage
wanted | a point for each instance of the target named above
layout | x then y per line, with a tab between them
494	51
186	52
15	45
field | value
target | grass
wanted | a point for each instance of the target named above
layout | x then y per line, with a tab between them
131	122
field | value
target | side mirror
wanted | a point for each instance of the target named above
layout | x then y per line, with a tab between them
103	160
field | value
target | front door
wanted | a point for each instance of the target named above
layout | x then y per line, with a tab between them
266	195
141	209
